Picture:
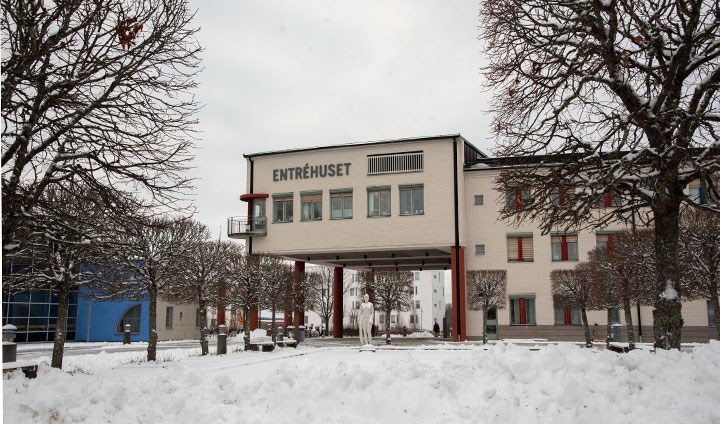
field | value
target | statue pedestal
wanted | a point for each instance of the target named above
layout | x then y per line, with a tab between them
368	348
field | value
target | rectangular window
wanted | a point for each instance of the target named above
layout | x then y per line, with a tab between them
378	201
699	193
711	314
604	241
412	200
412	319
393	319
517	198
341	204
479	249
416	277
520	247
311	206
417	304
395	163
522	310
169	317
614	315
564	247
282	207
568	316
382	318
479	200
560	196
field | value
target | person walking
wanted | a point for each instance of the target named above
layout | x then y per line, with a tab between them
436	329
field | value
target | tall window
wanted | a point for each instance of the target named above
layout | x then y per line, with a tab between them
417	304
132	317
564	247
516	198
522	310
416	277
411	200
520	247
568	316
341	204
169	317
379	201
311	206
282	207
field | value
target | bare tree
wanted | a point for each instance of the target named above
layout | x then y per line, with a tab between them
276	278
325	301
303	294
623	98
63	251
700	255
152	251
244	285
487	289
200	273
571	288
389	290
99	92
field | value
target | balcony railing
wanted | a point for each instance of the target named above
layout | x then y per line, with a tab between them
244	227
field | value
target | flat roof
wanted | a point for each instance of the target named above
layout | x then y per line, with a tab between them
367	143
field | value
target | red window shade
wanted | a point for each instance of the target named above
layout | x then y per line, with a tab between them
568	316
523	311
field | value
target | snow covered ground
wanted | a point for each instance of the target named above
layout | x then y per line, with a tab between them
504	383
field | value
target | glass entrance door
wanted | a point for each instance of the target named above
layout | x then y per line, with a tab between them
492	324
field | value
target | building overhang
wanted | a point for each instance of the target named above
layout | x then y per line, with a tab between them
415	259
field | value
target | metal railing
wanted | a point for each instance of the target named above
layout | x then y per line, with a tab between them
242	226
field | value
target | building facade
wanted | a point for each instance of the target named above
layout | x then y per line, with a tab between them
420	204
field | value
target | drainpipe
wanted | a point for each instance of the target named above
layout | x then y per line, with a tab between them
252	174
457	239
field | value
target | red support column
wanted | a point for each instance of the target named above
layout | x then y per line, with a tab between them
254	318
337	317
457	264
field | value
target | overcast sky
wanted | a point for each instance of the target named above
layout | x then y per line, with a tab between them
292	74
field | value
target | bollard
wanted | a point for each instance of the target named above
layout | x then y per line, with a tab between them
9	351
291	331
222	340
301	334
126	334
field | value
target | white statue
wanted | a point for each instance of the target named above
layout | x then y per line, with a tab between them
367	311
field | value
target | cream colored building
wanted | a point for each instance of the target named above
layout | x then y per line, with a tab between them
416	204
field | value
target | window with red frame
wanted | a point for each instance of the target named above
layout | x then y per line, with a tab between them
517	198
520	248
568	316
564	247
522	310
604	241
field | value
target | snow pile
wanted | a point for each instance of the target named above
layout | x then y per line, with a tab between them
501	383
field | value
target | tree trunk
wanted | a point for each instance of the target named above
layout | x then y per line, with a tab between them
387	327
716	306
629	322
204	349
272	325
152	323
667	314
60	326
586	327
484	323
608	327
246	327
